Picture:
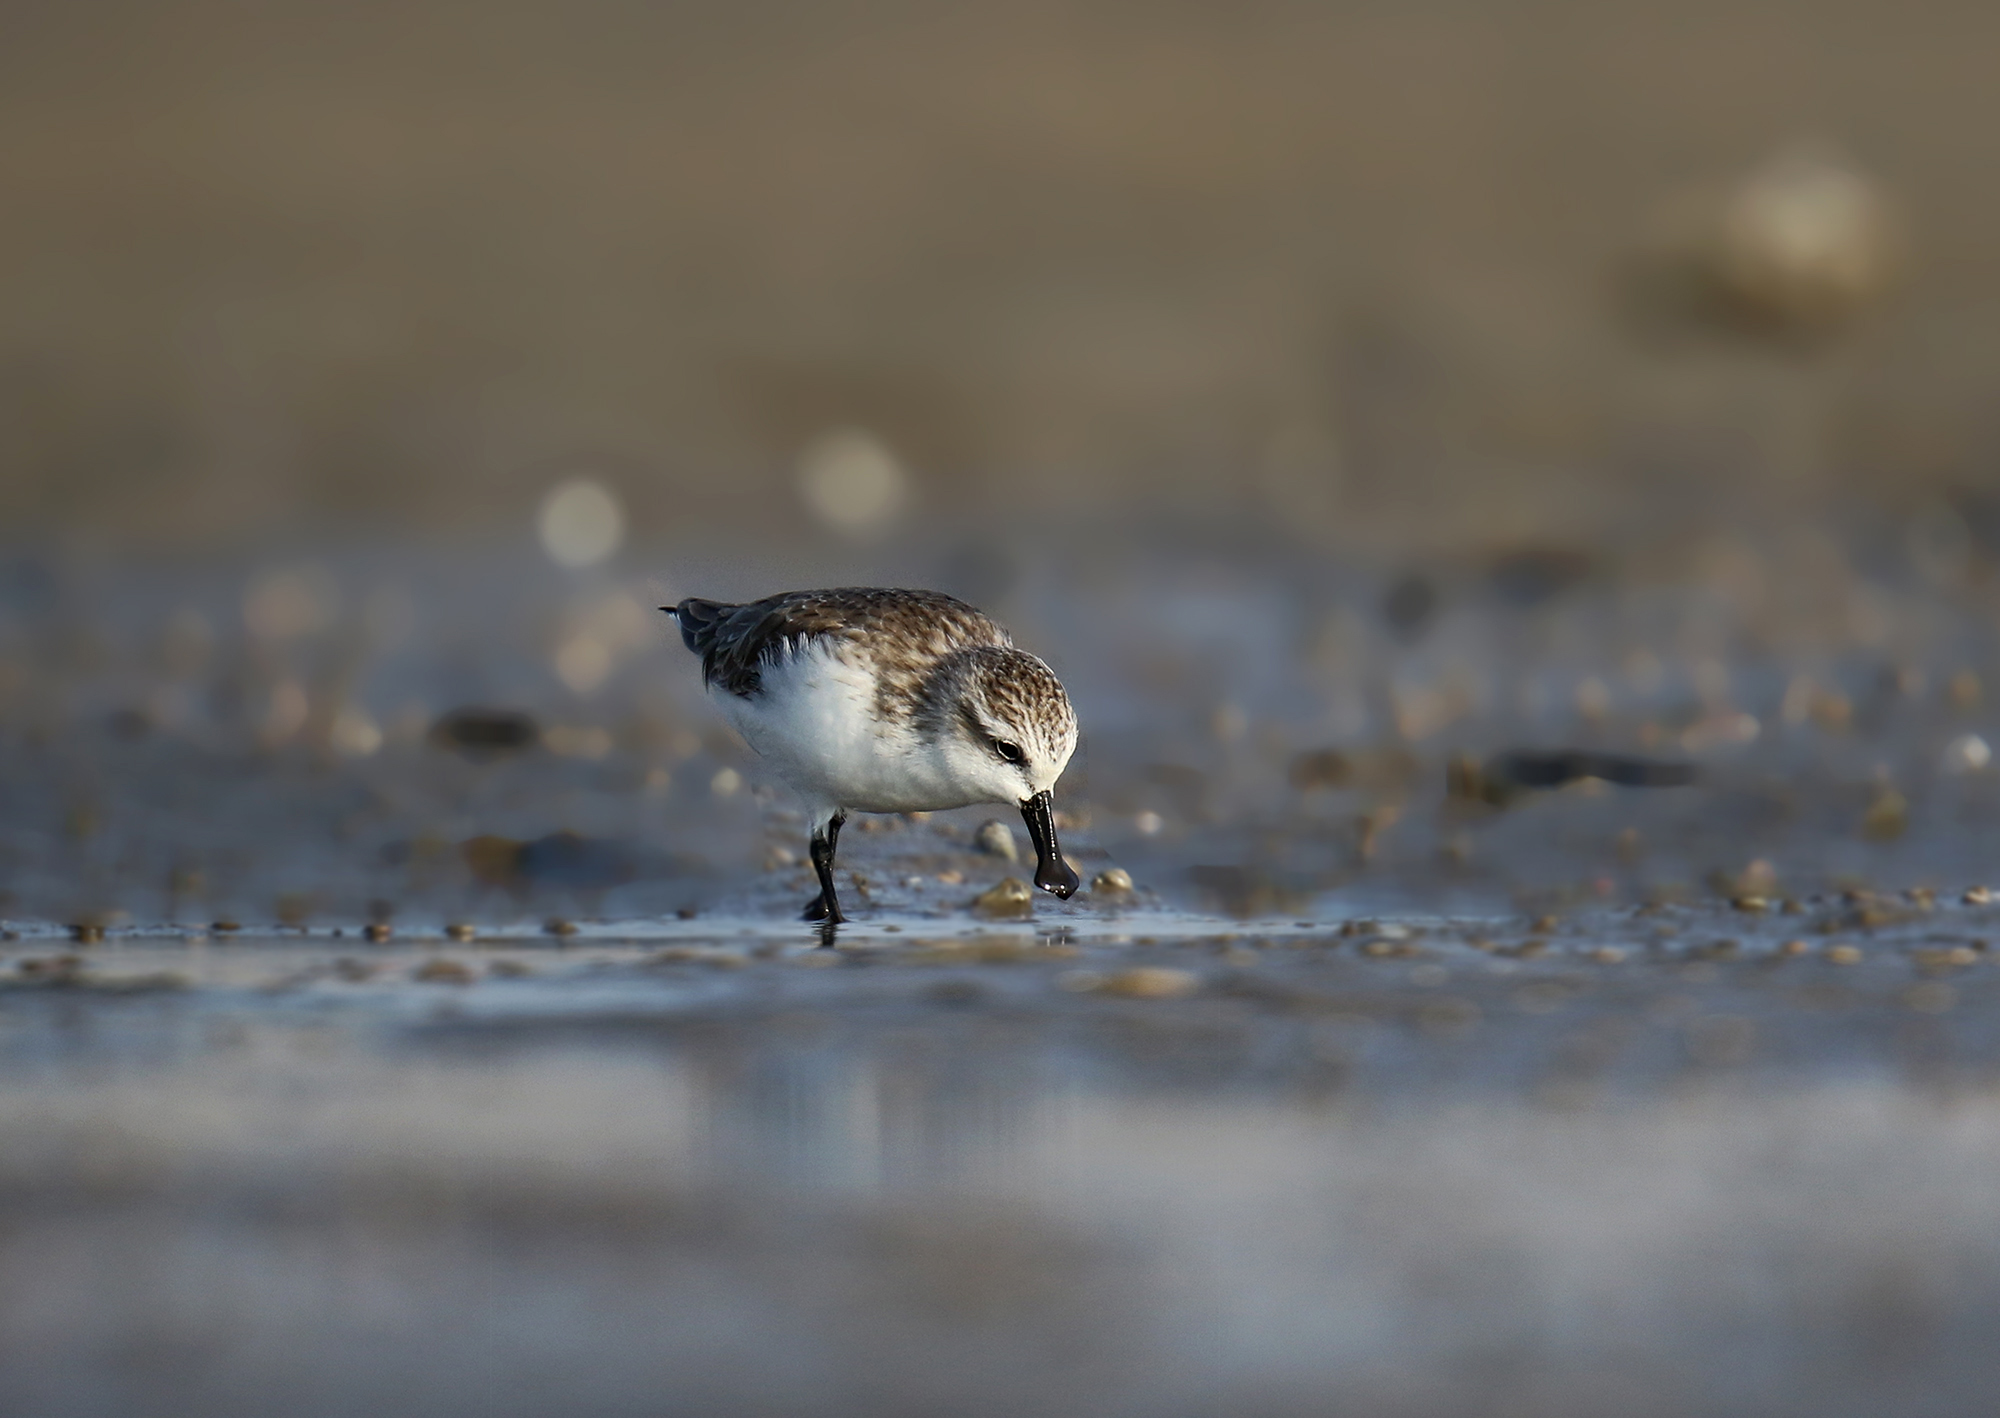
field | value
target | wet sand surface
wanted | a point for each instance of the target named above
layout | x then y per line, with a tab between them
373	1060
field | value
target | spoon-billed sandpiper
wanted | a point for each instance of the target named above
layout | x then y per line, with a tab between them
868	700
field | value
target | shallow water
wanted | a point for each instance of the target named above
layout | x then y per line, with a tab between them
1371	1096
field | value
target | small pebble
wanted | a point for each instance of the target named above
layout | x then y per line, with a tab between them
1843	954
1112	881
1011	896
1795	947
443	972
377	931
996	839
1140	982
1955	957
87	933
223	927
1888	816
461	930
1607	954
1753	904
557	926
1978	896
1930	997
1968	753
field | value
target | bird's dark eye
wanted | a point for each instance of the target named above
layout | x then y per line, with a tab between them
1009	751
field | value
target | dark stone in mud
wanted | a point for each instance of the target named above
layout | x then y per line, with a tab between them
565	860
486	733
1245	891
1410	605
1530	576
1502	778
569	860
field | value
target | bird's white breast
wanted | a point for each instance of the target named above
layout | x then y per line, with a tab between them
818	725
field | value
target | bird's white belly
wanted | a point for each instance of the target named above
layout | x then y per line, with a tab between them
816	725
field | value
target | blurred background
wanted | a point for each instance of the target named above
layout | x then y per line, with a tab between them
1434	272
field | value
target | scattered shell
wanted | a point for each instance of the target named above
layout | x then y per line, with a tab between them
996	839
1968	753
461	930
1843	954
1142	982
983	952
698	955
1978	896
377	931
1112	881
1011	896
1802	244
1888	816
1930	997
1754	904
1946	958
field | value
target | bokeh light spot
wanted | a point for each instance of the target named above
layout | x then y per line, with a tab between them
580	523
852	483
583	664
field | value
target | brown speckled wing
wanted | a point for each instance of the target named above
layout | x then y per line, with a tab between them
905	634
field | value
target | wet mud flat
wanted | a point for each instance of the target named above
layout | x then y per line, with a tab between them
1663	1159
401	1006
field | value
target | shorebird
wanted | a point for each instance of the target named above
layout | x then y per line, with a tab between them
867	700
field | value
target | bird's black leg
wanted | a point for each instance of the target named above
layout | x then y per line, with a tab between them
825	838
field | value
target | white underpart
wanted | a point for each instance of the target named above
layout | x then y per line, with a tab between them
816	725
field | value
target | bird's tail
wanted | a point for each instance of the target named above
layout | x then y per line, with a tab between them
698	621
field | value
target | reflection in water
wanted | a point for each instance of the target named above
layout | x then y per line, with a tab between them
979	1208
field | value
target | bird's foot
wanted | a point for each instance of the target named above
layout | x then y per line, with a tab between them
819	910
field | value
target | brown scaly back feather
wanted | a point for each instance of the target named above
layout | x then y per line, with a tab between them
909	631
